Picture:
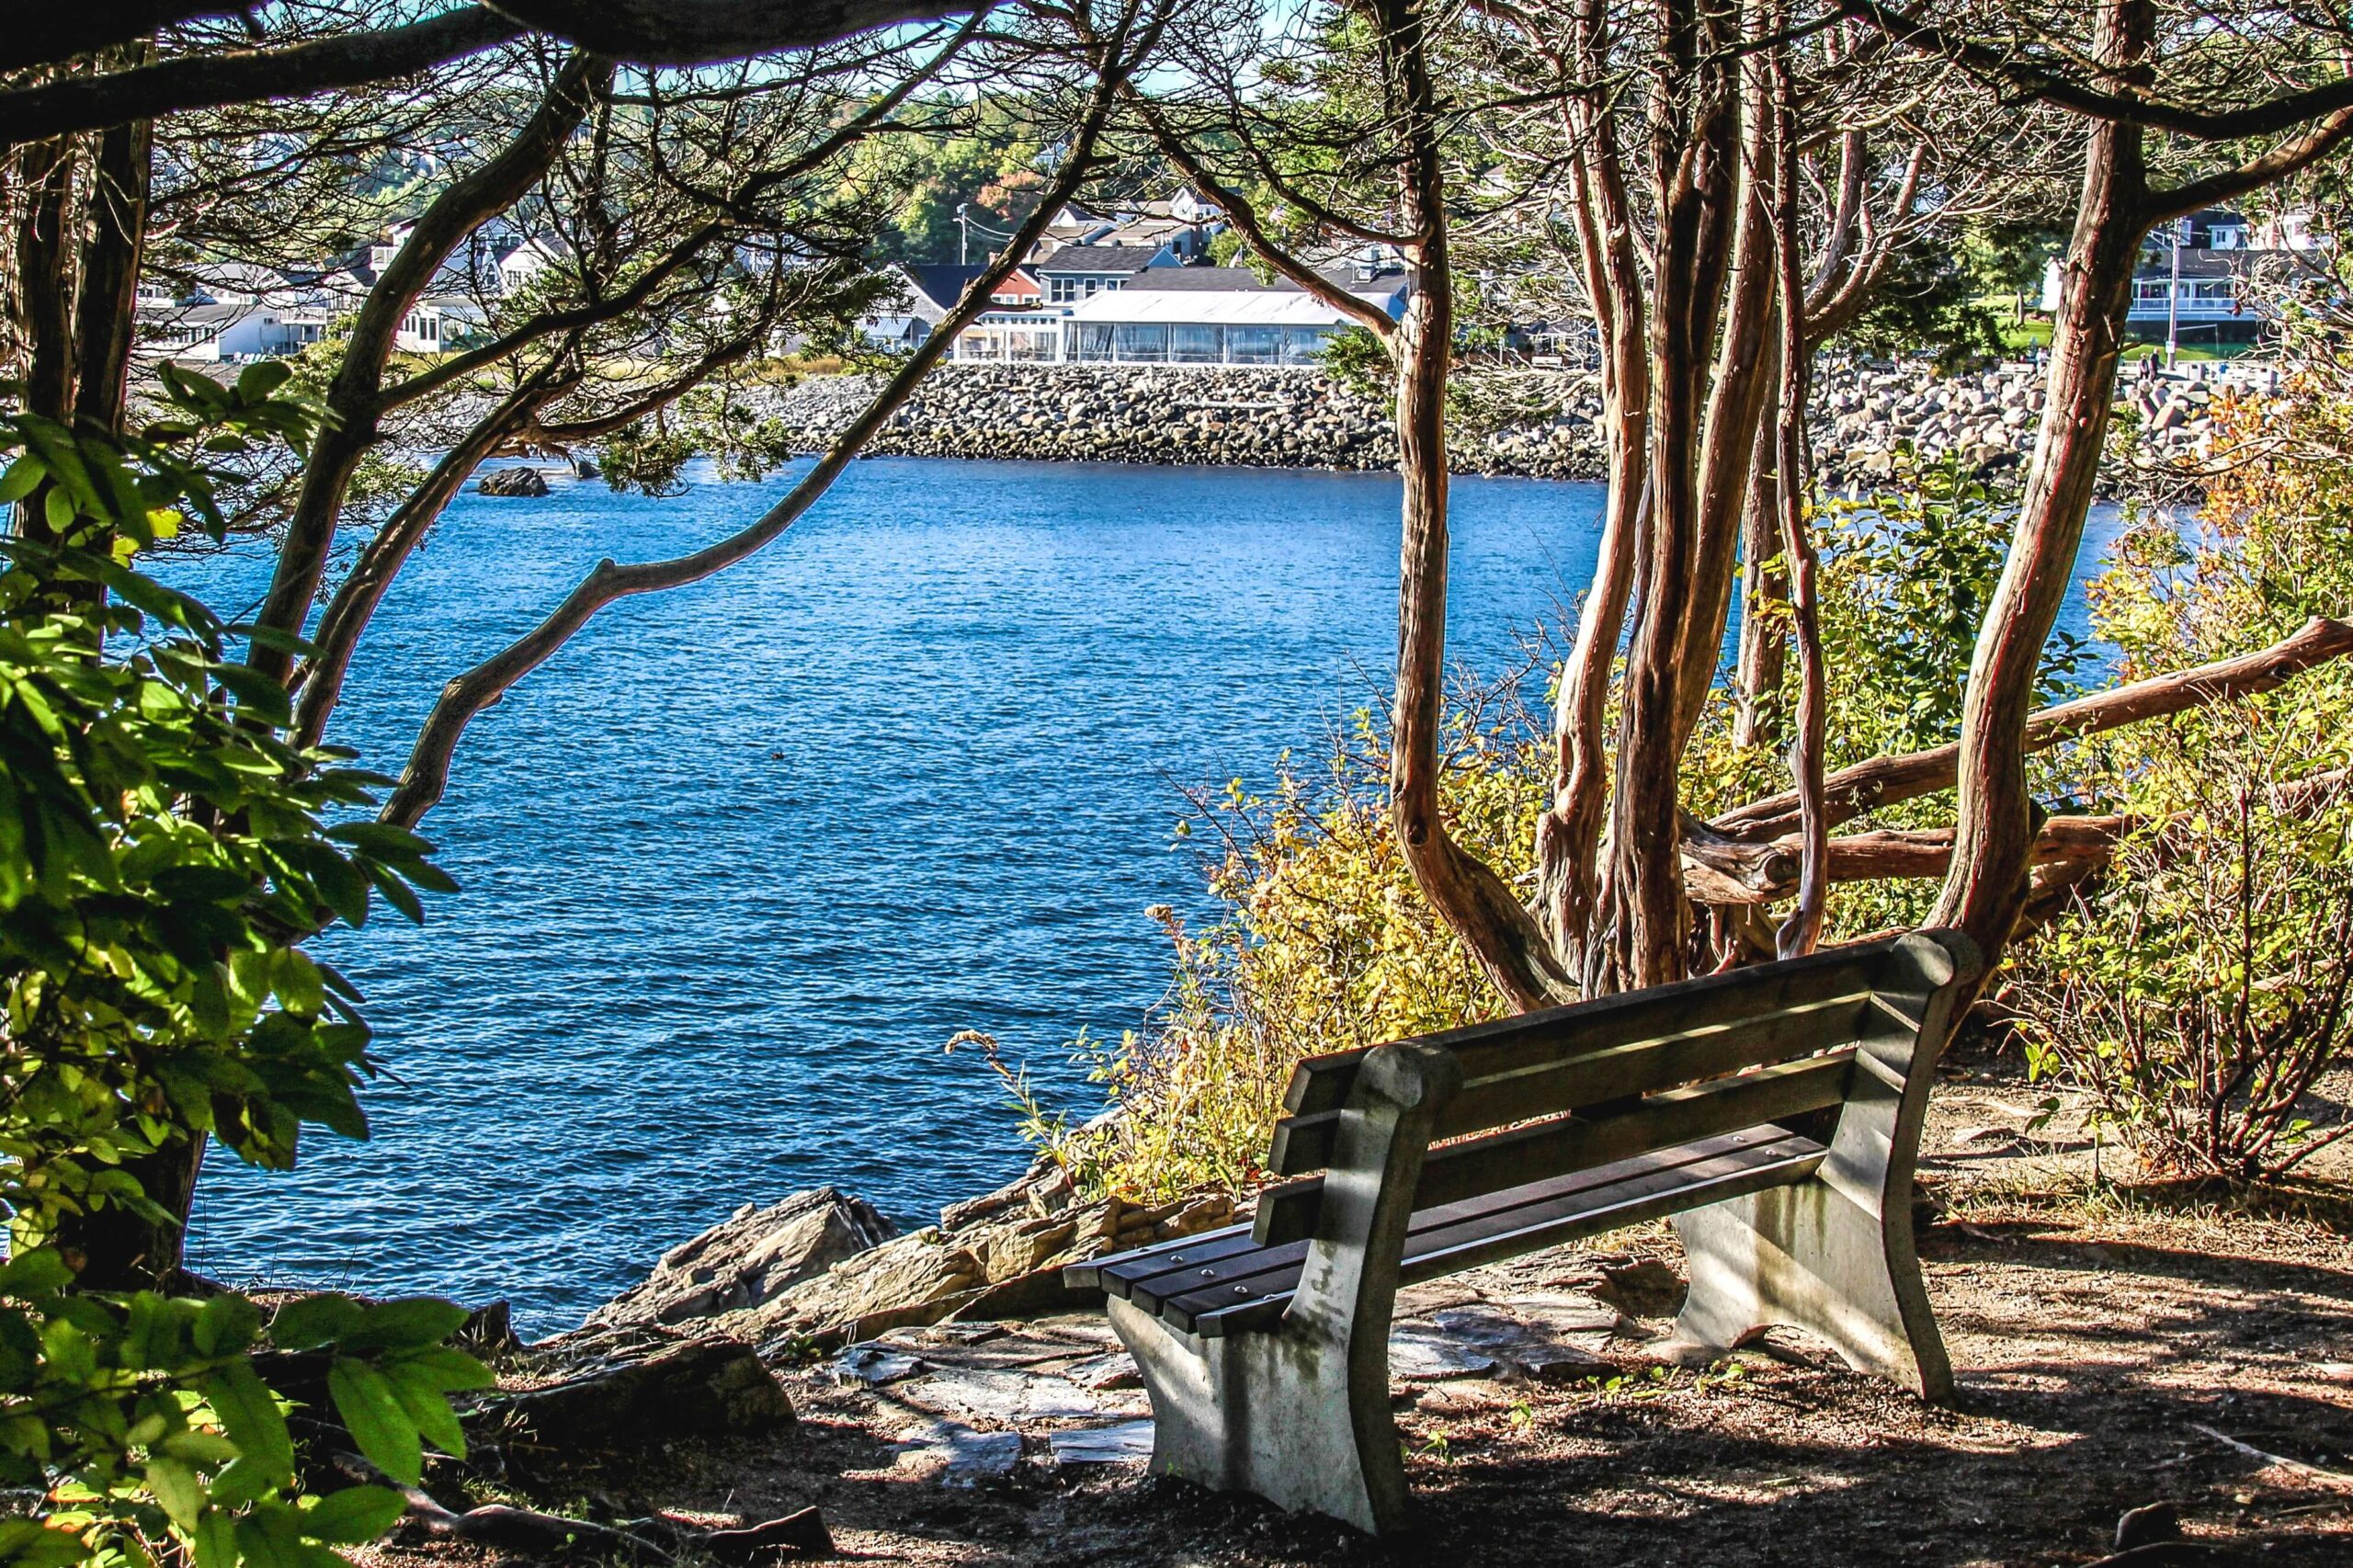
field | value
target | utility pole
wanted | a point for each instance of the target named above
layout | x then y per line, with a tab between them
964	235
2173	295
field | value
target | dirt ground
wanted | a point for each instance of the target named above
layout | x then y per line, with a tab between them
2116	1346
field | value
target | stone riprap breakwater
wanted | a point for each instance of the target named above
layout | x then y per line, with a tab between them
1534	423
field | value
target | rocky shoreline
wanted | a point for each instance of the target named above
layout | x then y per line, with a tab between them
1529	424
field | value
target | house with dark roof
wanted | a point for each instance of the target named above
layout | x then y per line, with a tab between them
2213	285
1076	272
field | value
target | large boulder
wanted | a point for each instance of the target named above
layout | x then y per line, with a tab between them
528	483
754	1257
987	1267
696	1388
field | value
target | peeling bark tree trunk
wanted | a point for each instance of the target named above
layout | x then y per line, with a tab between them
1568	837
1466	891
1702	428
1995	832
1764	586
1802	930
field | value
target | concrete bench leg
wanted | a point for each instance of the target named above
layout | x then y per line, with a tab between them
1812	1258
1834	1254
1275	1414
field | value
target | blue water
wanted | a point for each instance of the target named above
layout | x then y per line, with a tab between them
741	857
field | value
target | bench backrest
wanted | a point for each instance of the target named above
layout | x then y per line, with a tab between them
1551	1092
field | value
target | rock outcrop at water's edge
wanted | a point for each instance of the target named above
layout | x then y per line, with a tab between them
755	1255
1532	423
999	1256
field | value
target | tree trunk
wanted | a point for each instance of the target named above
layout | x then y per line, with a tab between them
1764	596
1994	838
1568	837
45	288
106	311
1699	453
1466	893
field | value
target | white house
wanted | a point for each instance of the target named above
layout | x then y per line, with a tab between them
1076	272
532	256
2209	293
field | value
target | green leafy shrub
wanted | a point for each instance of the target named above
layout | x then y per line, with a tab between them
2199	998
1905	578
2198	992
163	852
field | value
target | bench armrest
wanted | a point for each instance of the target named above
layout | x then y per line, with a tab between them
1350	1276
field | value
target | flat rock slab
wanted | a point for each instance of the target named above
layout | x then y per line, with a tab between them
872	1366
1130	1442
956	1454
1114	1370
1530	1337
999	1395
1424	1353
1564	1312
940	1336
1085	1328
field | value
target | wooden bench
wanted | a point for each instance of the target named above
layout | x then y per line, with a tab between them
1774	1112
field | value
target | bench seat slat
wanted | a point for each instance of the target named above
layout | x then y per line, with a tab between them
1304	1143
1219	1277
1322	1082
1480	1165
1524	1220
1123	1276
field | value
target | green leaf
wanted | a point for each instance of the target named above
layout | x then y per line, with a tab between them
410	1322
35	1272
240	1482
265	1548
226	1323
400	896
355	1516
249	1413
429	1407
175	1488
208	1449
258	695
307	1322
372	1414
382	838
261	377
447	1367
24	476
272	638
216	1540
33	1543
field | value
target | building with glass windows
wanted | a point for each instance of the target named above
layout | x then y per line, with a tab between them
1216	315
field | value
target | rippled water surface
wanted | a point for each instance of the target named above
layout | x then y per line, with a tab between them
741	858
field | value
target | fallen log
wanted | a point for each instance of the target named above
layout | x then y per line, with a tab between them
1721	870
1725	872
1884	780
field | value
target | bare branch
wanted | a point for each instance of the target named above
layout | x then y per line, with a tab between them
211	80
